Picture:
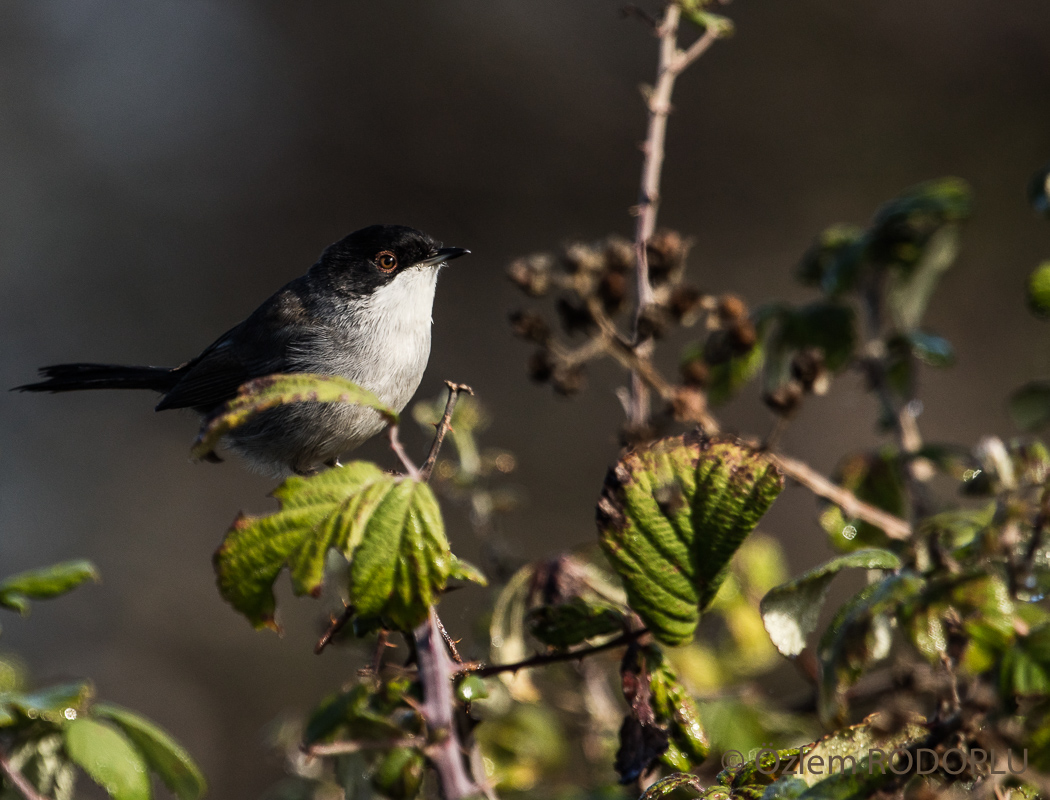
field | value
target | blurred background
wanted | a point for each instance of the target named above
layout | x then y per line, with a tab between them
165	166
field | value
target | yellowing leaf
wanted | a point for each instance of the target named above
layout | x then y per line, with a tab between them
670	518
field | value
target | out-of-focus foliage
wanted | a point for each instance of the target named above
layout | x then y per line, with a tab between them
47	733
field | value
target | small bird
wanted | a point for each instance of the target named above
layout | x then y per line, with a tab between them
362	312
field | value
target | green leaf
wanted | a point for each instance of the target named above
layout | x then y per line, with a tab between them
835	260
55	704
676	709
1025	671
931	349
910	291
399	775
903	227
791	611
389	527
670	518
42	584
263	394
109	758
163	755
827	326
1039	290
858	636
1030	405
674	784
725	379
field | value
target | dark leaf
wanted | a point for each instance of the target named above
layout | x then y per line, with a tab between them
834	262
1039	191
1039	290
573	622
1030	405
826	326
670	518
933	350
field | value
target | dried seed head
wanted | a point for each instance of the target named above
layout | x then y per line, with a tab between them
666	250
807	367
539	366
619	255
695	372
785	398
613	291
742	337
652	322
568	380
684	304
574	316
530	326
580	257
532	274
731	308
689	404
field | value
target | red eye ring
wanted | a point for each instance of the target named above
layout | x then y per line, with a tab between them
386	261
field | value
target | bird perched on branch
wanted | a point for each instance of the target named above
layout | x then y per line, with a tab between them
362	312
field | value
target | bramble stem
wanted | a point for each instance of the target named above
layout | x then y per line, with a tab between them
443	427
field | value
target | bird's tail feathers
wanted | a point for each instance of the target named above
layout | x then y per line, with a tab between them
75	377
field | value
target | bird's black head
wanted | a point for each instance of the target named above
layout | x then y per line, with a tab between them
376	255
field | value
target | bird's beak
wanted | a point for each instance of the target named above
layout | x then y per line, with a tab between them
441	255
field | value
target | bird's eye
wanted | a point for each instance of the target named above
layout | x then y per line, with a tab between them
386	261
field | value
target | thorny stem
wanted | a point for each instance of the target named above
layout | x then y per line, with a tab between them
543	659
18	780
357	745
338	623
436	669
672	62
443	427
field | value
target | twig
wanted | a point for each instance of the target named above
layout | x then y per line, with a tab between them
443	427
851	505
357	745
436	669
18	780
338	623
398	448
543	659
672	62
450	643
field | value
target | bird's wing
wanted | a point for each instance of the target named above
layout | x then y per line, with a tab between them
256	347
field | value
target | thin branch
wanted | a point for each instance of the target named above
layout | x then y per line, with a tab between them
398	448
436	669
543	659
851	505
443	427
338	623
671	64
18	780
358	745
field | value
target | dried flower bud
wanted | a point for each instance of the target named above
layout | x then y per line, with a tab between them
695	372
530	326
685	304
532	274
666	250
718	348
539	366
652	322
574	316
568	380
619	255
613	291
785	398
742	337
731	308
580	257
689	404
807	367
